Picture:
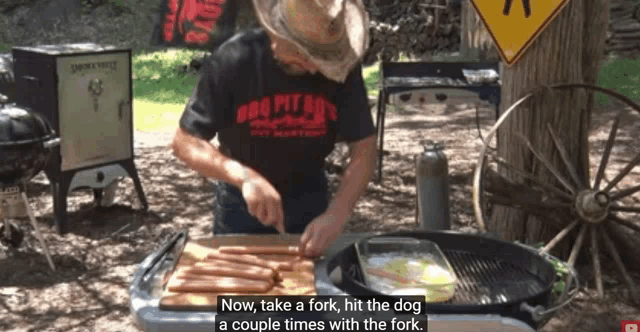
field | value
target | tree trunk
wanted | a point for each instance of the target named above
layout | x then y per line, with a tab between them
568	51
475	40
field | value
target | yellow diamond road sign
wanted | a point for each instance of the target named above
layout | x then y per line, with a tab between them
514	24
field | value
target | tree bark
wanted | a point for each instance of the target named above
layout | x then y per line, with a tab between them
475	41
568	51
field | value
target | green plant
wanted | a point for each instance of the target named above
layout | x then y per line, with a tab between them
561	272
117	3
560	268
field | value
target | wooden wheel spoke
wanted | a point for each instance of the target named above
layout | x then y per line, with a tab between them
633	163
607	152
616	258
596	261
520	201
532	178
626	223
573	256
561	235
565	158
540	211
577	246
624	193
548	165
520	194
635	209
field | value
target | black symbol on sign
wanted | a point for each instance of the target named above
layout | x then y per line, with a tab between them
525	3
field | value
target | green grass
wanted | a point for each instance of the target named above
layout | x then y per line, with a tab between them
5	48
156	77
371	76
153	117
160	90
621	75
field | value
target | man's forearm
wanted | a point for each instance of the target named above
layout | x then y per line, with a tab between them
354	181
206	159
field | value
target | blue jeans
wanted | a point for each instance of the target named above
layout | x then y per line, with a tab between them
231	215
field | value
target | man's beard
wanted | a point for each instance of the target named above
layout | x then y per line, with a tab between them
291	69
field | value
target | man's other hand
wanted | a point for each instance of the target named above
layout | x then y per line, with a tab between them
263	201
320	234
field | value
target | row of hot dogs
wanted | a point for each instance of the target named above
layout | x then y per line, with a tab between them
235	269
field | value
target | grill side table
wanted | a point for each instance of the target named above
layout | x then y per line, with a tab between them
440	77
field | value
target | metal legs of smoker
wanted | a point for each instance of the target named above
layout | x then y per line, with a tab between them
60	189
32	218
43	243
382	102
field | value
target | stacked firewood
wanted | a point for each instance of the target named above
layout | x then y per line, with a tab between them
624	31
412	27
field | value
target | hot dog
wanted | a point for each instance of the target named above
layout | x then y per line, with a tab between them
218	284
230	269
379	272
251	260
260	250
229	264
264	271
186	274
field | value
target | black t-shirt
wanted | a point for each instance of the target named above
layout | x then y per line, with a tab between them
280	125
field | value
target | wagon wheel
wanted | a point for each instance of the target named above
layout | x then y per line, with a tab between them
608	196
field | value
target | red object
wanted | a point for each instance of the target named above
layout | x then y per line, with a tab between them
169	20
630	326
194	20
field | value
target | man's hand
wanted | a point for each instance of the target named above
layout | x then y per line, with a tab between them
263	201
321	233
323	230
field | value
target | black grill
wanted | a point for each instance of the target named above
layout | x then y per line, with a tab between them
488	280
494	277
482	280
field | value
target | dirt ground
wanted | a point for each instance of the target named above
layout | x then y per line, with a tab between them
96	259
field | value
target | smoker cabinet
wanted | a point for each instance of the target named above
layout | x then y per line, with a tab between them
85	91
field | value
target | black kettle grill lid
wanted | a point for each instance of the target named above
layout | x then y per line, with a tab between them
20	125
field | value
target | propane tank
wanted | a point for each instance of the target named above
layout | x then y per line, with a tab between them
432	187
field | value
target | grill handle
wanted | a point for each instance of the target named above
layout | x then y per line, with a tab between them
539	313
51	143
158	257
33	80
392	239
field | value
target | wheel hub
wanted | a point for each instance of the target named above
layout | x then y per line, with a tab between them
592	206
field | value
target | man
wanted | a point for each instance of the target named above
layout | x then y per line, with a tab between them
278	97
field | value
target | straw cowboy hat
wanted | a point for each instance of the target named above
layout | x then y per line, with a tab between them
333	34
